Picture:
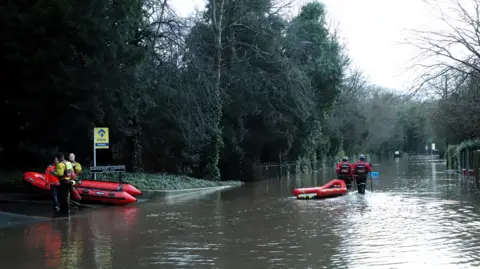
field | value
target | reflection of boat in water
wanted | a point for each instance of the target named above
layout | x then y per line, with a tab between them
103	225
91	190
44	235
333	188
67	242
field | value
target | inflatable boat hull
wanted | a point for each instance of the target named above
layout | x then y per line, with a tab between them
333	188
105	196
80	192
299	191
38	180
108	185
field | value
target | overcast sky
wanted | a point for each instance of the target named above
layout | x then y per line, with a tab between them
373	30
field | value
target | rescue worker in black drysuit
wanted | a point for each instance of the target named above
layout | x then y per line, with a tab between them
344	171
360	171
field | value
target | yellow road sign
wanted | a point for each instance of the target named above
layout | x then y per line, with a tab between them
100	136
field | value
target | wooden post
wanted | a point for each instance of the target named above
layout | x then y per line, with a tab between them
467	161
279	166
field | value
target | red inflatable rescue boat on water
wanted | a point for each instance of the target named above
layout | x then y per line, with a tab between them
333	188
90	190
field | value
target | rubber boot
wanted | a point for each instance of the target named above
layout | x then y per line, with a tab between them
362	188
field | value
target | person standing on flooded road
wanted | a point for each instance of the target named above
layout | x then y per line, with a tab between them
345	171
64	172
77	168
360	171
54	185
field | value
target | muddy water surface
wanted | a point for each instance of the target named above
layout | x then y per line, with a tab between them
416	217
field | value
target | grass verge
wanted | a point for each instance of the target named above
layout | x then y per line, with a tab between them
13	181
144	181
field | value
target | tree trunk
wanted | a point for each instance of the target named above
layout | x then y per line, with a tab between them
213	170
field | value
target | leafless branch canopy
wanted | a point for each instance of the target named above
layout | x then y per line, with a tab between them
451	50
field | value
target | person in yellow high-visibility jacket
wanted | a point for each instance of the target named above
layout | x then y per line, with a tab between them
64	172
77	167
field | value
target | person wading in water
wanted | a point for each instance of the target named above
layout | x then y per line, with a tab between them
345	171
361	170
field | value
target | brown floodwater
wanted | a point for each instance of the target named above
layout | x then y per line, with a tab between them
416	217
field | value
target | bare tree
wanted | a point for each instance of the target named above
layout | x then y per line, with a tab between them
451	49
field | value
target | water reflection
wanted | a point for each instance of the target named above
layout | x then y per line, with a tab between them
417	217
44	236
397	165
68	242
407	232
434	176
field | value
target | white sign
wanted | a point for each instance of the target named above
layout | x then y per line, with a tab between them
107	169
433	146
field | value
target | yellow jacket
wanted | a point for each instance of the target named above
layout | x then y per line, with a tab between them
77	168
64	170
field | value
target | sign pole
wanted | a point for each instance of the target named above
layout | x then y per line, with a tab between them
94	156
100	141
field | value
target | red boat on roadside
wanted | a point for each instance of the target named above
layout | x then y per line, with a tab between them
105	196
333	188
90	190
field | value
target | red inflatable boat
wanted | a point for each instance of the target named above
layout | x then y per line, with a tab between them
38	180
333	188
115	191
105	196
109	185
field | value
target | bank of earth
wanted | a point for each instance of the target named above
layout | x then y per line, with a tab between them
13	181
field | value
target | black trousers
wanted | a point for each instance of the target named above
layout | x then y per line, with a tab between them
361	183
56	203
64	196
347	179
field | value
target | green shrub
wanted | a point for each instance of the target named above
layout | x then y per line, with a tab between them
145	181
452	157
468	144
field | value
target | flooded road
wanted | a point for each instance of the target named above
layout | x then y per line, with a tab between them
416	217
